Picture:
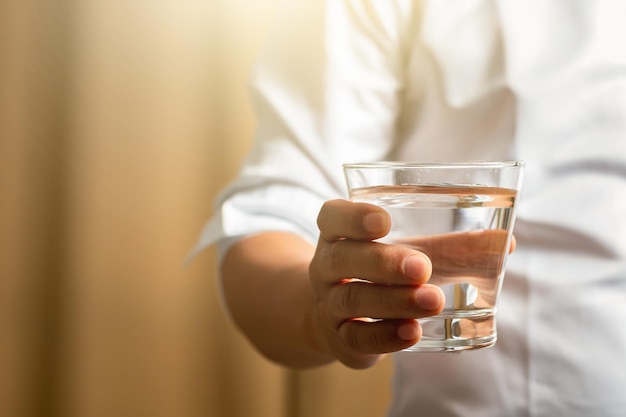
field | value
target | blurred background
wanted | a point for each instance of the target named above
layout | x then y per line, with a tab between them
119	123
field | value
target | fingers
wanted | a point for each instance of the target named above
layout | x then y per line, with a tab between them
371	261
346	249
369	294
379	337
355	338
356	279
364	299
339	219
360	343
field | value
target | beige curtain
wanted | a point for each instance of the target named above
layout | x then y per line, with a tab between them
119	123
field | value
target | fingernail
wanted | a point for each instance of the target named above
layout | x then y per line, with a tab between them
429	298
375	222
408	331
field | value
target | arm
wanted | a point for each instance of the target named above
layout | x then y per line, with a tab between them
299	306
266	286
284	294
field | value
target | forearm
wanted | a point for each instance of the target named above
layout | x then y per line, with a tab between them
267	290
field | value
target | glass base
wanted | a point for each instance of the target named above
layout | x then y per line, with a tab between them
451	333
451	345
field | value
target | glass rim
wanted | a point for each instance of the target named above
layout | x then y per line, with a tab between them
434	165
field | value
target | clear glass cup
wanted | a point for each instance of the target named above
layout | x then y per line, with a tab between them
461	215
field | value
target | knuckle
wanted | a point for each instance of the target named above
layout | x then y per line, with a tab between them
364	338
348	299
388	259
337	257
352	336
328	259
375	341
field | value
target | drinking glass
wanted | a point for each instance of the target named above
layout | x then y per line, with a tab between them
461	215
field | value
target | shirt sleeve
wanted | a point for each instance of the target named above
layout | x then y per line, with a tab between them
326	91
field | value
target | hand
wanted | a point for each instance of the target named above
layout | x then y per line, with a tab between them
367	294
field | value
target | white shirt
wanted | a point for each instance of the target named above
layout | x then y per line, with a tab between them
542	81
